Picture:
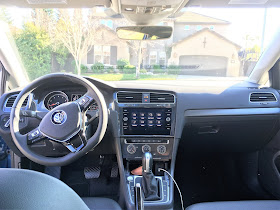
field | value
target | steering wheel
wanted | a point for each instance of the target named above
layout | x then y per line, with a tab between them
62	124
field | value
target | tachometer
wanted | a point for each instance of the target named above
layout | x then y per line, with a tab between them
54	99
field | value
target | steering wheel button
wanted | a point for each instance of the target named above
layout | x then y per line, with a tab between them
83	100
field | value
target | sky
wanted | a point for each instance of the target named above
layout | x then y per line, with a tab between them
249	21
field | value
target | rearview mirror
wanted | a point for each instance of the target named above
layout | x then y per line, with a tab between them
144	32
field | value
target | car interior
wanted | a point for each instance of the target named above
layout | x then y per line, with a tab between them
73	141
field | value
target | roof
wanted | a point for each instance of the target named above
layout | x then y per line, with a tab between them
192	17
210	31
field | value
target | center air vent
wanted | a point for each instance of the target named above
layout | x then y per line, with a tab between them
129	97
136	97
262	97
161	98
12	99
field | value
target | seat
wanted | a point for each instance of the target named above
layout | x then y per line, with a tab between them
101	203
27	189
237	205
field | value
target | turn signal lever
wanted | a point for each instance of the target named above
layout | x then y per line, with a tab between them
149	182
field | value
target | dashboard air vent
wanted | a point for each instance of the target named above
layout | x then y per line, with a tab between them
12	99
262	97
162	98
129	97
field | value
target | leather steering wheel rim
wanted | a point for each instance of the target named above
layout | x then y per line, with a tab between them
21	140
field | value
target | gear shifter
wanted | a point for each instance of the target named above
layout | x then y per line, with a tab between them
149	182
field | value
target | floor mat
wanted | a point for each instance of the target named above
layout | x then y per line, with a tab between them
103	186
208	178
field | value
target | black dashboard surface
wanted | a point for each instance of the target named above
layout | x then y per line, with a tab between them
198	104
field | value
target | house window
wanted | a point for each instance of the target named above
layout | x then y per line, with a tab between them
153	57
198	28
187	27
102	54
97	54
162	58
211	27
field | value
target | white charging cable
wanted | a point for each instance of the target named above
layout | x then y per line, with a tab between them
181	197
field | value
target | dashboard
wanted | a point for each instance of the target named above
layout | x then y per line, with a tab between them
229	116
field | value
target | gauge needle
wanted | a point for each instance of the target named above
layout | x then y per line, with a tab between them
57	103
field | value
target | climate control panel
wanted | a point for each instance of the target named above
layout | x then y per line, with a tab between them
133	148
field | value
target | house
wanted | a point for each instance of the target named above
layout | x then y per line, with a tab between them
111	50
199	45
206	53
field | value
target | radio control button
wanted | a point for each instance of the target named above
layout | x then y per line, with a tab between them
131	149
168	119
161	149
125	119
146	148
150	114
134	114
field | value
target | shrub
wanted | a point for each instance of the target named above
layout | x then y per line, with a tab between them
173	69
156	66
143	71
158	69
84	69
97	68
129	69
121	63
110	69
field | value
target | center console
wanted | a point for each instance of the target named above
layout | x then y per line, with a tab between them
147	127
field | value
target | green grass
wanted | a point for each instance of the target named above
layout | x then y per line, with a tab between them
119	77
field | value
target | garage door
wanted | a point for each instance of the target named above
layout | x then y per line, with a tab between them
206	65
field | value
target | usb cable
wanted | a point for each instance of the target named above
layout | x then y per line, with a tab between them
181	197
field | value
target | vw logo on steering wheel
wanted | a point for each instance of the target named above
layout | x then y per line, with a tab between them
59	117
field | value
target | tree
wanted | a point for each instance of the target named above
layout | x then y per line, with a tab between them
34	47
5	16
76	33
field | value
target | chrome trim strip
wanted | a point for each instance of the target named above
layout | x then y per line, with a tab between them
230	112
125	141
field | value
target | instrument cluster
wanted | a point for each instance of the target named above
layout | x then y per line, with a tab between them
56	98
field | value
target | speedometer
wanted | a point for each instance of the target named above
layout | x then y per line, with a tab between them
54	99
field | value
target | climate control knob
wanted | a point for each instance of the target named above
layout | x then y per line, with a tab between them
146	148
161	149
131	149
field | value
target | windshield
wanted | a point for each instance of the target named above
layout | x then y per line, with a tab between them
216	43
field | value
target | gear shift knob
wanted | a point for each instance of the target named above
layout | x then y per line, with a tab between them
147	162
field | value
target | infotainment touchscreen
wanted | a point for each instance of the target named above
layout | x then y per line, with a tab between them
146	121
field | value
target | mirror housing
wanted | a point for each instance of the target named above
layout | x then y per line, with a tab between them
144	32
